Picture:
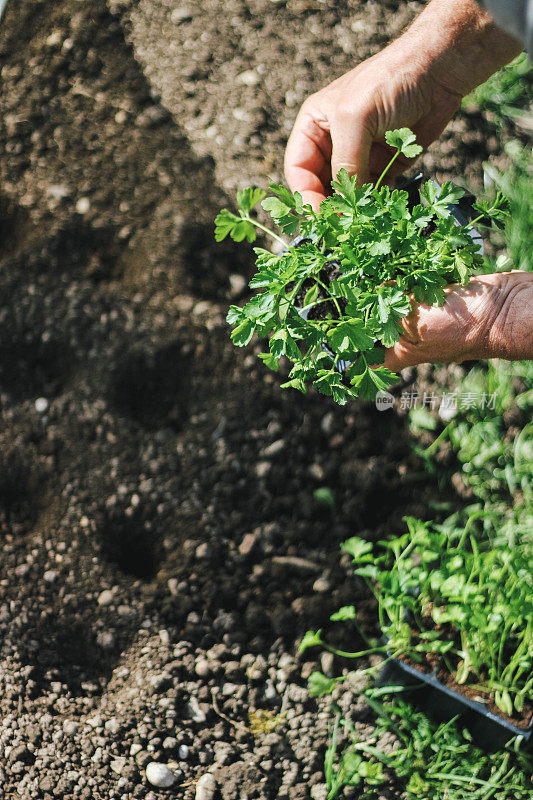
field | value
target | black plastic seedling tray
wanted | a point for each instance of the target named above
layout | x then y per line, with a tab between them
488	730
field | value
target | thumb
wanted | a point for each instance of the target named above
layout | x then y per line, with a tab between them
351	143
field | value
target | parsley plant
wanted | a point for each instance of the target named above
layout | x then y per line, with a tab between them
336	295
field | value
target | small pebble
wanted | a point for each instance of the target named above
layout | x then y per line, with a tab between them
183	752
203	551
70	727
112	725
160	681
105	598
248	543
170	743
41	405
182	14
206	787
319	791
262	468
159	775
83	205
274	448
118	764
195	712
321	585
249	77
202	667
105	639
237	284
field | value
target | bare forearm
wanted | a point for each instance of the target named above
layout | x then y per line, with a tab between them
510	334
458	43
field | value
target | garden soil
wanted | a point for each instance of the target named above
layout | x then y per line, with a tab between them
161	551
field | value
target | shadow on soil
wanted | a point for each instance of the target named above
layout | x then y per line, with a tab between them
152	387
129	542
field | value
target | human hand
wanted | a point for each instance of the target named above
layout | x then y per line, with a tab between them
490	317
418	82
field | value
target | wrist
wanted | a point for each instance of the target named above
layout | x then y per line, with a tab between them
458	45
506	329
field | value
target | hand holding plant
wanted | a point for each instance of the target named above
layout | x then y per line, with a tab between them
490	317
341	295
419	80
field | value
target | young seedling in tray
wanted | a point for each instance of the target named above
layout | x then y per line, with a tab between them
340	294
457	606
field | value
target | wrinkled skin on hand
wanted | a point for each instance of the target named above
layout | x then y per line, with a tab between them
490	317
344	125
417	82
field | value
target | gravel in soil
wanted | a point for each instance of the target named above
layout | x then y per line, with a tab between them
161	553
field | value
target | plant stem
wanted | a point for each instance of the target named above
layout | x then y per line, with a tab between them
360	654
389	165
323	285
434	444
266	230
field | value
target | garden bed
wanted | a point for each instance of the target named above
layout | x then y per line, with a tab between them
158	543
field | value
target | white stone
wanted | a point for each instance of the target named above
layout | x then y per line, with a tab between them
262	468
159	775
58	192
237	284
195	712
202	667
180	15
274	448
105	598
249	77
118	764
41	405
206	787
319	791
83	205
70	727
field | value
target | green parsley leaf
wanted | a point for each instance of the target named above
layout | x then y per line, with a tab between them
310	640
319	685
227	223
350	337
248	198
242	334
344	614
404	140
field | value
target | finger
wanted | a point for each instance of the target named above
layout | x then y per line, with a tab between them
351	143
307	157
313	199
408	350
